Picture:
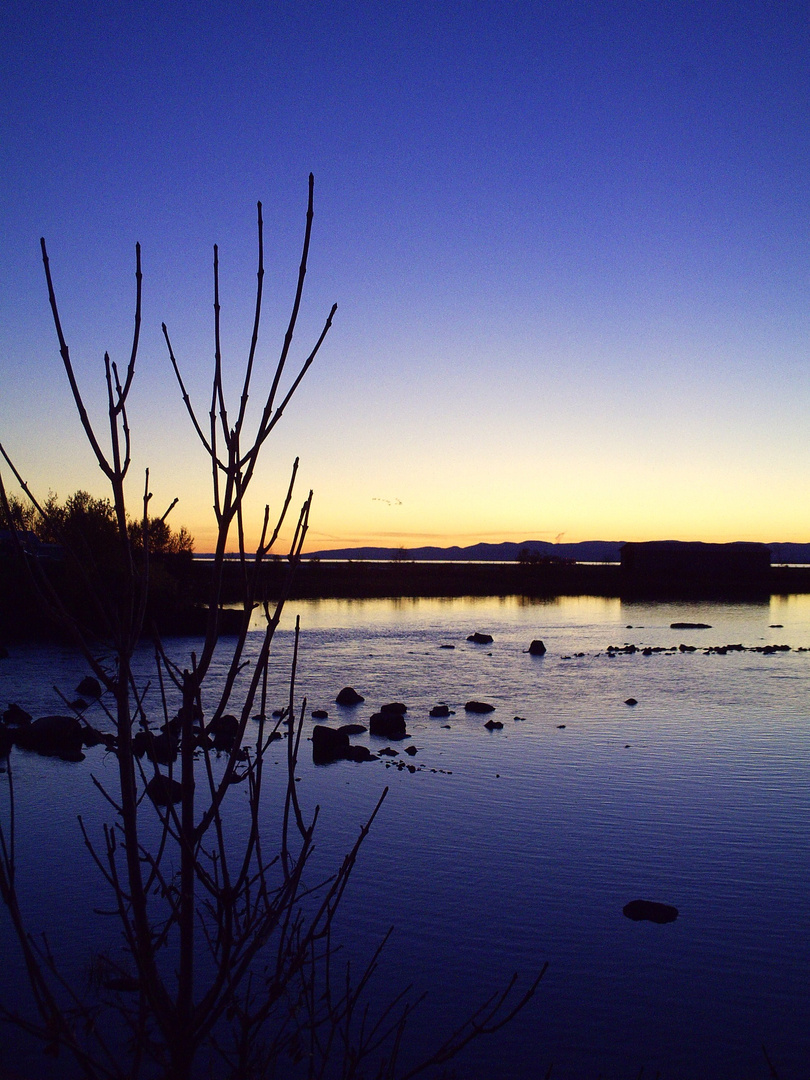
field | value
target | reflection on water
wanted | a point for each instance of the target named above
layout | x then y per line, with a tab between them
509	848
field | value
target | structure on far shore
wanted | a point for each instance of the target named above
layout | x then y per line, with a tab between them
674	567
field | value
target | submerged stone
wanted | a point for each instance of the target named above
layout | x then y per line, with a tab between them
439	711
650	911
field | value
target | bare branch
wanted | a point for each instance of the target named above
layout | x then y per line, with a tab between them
65	354
256	320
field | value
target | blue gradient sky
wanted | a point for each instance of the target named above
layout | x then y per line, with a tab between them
568	240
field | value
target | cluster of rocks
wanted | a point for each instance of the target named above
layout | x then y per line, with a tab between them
66	736
536	647
707	650
330	744
55	735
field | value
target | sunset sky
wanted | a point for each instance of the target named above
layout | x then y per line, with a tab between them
568	240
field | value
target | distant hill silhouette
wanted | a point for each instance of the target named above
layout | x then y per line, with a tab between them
585	551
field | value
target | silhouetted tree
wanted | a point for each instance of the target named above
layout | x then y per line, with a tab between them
227	967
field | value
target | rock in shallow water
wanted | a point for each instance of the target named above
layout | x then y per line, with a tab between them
650	911
349	696
89	687
479	707
328	745
53	736
14	716
388	725
163	791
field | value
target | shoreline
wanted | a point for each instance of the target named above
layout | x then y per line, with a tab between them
181	588
367	580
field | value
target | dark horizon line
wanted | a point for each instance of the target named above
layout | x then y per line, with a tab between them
507	551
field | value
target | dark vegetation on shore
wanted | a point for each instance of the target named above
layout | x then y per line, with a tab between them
180	582
78	543
86	527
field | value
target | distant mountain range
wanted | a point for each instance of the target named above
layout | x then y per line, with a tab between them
585	551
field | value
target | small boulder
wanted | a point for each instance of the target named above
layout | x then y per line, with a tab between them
388	726
480	639
493	725
630	701
162	749
14	716
479	707
537	648
349	696
320	714
439	711
394	707
163	790
360	753
650	911
690	626
89	687
53	736
223	731
93	737
411	750
328	745
353	729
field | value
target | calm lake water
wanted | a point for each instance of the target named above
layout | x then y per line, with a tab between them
508	849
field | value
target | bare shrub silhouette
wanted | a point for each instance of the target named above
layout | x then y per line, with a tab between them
228	967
